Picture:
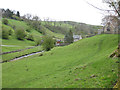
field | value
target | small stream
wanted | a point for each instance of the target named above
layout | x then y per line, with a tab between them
23	57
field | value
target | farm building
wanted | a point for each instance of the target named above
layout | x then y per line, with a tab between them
100	31
77	37
59	42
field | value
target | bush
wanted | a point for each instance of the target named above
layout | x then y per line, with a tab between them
20	34
30	37
28	30
5	21
48	43
5	33
16	18
14	27
38	41
41	30
11	32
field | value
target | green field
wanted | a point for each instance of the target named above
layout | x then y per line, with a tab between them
10	56
17	44
83	64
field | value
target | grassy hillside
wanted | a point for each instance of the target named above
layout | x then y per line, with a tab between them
17	44
83	64
14	25
18	24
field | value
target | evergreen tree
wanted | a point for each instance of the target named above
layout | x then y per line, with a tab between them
69	37
48	43
18	14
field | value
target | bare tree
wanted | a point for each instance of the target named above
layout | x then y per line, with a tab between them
35	18
28	16
114	5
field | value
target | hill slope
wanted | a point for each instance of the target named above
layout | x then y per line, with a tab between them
18	24
14	25
83	64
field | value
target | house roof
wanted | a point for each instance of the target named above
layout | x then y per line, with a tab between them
76	36
112	20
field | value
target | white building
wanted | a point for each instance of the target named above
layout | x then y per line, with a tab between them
77	37
100	31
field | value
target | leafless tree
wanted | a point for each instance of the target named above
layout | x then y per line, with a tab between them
28	16
35	18
114	5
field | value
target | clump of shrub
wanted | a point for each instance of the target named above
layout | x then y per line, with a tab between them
14	27
41	54
38	41
20	34
5	21
28	29
30	37
16	18
41	30
48	43
6	31
11	32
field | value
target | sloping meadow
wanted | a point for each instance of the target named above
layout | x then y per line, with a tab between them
83	64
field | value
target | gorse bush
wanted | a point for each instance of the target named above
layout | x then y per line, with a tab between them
20	33
48	43
28	29
5	21
16	18
11	32
41	30
38	41
5	33
30	37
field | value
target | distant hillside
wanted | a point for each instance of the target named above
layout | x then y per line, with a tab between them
78	28
82	28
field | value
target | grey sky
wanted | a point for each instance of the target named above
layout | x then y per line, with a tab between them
65	10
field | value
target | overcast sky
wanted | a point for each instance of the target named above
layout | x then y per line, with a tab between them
63	10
